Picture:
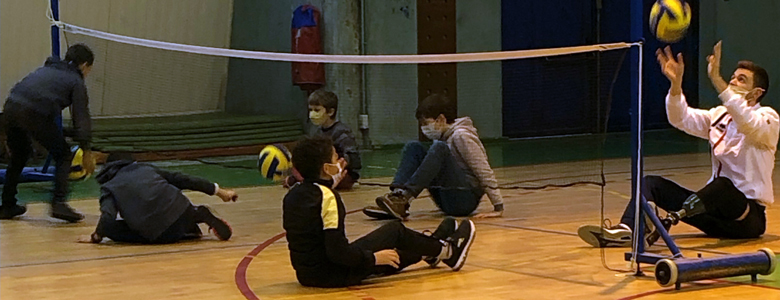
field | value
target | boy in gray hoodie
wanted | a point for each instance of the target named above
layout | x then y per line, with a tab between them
455	169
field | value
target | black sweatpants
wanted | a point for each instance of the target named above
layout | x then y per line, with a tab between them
724	204
21	126
411	246
186	226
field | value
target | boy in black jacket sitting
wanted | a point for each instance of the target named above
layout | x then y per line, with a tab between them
313	216
143	204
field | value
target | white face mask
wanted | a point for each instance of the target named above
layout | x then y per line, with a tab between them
317	118
745	93
330	169
739	90
431	132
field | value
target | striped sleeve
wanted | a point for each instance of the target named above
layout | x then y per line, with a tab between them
330	210
337	247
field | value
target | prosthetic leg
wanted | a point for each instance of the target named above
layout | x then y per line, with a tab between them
677	269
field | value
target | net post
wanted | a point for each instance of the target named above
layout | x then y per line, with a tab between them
55	31
55	51
637	27
637	245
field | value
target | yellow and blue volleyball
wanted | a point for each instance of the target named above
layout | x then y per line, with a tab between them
77	171
274	162
669	20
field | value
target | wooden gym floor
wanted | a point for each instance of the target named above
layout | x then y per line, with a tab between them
531	253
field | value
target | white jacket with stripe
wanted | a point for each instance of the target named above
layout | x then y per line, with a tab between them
743	140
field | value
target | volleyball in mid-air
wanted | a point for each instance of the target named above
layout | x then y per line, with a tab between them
274	162
669	20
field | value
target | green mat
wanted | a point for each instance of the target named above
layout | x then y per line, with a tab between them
192	132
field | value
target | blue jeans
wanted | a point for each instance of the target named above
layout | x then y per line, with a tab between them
435	168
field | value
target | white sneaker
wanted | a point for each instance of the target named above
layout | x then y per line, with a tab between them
603	236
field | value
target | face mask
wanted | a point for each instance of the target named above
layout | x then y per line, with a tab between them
333	169
745	93
431	132
739	90
317	118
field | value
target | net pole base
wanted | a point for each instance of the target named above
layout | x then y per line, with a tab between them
643	257
676	271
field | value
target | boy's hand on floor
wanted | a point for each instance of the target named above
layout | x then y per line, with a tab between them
84	239
387	257
92	238
492	214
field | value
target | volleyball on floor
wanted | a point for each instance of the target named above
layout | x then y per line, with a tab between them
669	20
274	162
77	171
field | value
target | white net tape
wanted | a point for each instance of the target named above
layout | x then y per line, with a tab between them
353	59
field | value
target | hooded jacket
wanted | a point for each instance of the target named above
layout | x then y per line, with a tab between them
148	199
53	87
463	140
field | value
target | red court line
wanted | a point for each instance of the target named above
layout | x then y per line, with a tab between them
361	294
243	285
243	265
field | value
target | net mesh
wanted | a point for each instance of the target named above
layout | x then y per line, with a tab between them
543	112
132	81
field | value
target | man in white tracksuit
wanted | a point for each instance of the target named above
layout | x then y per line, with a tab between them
743	137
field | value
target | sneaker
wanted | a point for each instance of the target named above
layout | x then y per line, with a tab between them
395	204
377	213
651	233
193	233
217	226
63	211
8	212
460	243
605	236
654	234
446	228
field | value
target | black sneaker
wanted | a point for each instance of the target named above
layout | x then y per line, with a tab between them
193	233
654	234
460	242
446	228
8	212
396	204
63	211
377	213
217	226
